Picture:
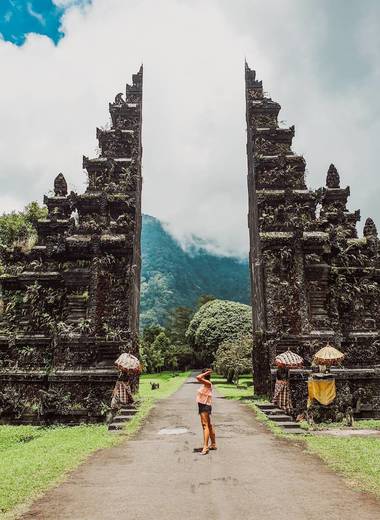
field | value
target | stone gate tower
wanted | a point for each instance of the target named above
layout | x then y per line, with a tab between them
71	303
313	279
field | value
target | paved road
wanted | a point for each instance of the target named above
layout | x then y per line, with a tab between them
253	475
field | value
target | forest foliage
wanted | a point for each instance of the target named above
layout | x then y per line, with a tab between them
215	322
173	277
19	227
234	358
216	330
166	347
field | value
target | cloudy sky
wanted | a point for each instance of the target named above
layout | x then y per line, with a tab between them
63	60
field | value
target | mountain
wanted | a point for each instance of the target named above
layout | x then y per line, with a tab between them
173	277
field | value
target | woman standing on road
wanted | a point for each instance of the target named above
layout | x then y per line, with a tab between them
204	400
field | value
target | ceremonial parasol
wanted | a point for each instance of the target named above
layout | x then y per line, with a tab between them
128	363
328	355
288	359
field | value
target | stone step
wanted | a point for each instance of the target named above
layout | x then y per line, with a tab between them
115	426
128	410
266	406
285	422
287	425
281	418
274	411
123	417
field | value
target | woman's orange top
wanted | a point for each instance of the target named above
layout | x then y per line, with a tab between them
204	395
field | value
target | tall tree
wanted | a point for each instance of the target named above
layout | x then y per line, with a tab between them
177	325
19	227
215	322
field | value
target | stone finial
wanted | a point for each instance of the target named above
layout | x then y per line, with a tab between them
60	186
250	77
370	228
138	78
119	99
332	178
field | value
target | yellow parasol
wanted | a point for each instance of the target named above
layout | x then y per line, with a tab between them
328	355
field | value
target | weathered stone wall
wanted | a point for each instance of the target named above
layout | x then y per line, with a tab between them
71	302
313	279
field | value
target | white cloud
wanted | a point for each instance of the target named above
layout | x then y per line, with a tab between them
194	122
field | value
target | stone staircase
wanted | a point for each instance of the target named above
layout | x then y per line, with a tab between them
286	422
124	415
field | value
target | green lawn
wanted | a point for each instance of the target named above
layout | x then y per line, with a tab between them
356	458
33	458
169	383
363	424
244	390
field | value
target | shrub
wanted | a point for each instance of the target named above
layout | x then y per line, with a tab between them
158	353
19	228
234	358
217	321
152	350
179	357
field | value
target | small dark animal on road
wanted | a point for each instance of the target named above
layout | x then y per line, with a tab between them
154	386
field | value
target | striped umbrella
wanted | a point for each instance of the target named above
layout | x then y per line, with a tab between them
128	363
328	355
288	359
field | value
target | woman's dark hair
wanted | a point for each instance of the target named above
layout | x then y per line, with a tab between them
208	375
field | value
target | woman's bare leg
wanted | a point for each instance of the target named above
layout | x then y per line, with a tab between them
206	431
212	433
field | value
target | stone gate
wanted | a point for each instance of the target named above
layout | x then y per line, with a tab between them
71	303
313	279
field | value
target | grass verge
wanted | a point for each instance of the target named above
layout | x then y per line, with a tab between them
242	391
168	382
362	424
33	458
356	458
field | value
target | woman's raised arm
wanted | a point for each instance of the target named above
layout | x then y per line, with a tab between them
201	377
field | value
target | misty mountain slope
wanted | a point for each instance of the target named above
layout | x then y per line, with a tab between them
172	277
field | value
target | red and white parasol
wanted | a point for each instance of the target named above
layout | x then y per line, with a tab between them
128	363
288	359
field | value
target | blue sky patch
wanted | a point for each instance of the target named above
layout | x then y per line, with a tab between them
18	18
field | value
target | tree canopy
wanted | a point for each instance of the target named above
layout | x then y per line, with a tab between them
234	358
217	321
19	227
